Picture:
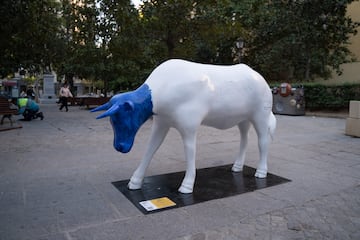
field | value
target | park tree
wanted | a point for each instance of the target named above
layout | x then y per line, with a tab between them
214	32
103	43
167	24
296	39
283	39
29	36
203	31
80	31
127	58
116	43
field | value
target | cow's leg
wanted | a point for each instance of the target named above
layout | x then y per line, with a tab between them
239	162
188	135
158	133
261	125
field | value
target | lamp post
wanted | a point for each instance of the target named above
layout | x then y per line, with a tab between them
239	44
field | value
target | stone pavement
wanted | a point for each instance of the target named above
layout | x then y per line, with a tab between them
56	174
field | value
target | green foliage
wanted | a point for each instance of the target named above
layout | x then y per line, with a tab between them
167	22
203	31
297	39
113	42
129	53
331	97
29	35
80	55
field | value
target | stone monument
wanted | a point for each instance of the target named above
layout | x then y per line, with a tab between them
48	95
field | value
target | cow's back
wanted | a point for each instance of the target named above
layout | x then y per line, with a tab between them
224	94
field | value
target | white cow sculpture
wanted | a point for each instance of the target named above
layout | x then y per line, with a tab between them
185	95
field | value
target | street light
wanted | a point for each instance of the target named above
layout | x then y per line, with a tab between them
239	44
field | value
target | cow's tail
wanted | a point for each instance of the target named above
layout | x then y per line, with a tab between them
272	125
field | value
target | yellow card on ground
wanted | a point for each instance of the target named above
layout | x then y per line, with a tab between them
157	203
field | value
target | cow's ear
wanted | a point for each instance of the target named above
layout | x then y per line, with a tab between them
128	106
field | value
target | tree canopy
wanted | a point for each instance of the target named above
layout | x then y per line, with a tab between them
119	44
30	35
298	39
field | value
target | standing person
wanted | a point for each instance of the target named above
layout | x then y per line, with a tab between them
30	93
23	94
64	94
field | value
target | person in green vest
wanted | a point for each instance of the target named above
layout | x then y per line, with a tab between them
29	109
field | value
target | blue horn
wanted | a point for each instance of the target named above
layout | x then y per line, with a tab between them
105	106
111	111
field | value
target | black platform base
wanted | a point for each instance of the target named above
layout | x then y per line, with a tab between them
160	192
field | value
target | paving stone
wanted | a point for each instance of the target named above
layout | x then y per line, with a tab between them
55	183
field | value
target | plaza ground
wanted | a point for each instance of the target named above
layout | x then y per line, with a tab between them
56	174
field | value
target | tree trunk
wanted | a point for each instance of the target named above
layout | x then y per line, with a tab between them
170	44
307	72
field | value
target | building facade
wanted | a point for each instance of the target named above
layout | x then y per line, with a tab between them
351	71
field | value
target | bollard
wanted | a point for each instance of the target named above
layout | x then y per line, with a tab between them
353	121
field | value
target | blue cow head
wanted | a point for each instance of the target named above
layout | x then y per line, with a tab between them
127	112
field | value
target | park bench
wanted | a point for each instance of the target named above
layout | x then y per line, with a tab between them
75	101
6	111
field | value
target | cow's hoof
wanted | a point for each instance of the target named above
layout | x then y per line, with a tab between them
134	185
260	174
236	168
185	189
